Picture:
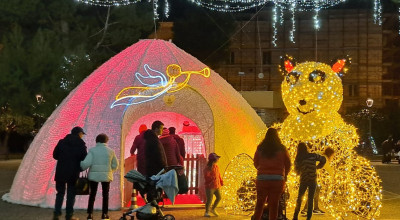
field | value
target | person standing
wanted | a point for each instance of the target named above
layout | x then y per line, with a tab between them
328	154
305	166
272	162
139	145
387	147
171	149
213	183
179	140
69	152
155	159
102	162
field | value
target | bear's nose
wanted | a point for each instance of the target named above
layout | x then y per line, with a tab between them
302	102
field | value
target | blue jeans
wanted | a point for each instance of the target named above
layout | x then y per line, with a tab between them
302	190
60	187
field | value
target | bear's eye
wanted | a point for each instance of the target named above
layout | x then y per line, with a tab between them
292	77
317	76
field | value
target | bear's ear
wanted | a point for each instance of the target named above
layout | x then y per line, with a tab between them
341	66
287	64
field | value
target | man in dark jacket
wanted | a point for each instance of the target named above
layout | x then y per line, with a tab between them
69	152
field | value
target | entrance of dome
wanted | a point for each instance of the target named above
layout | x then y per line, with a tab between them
194	160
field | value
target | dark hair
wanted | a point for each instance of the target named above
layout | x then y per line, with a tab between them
271	144
301	152
171	130
156	124
300	156
210	163
329	152
102	138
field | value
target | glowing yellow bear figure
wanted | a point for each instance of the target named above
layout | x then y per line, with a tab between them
312	93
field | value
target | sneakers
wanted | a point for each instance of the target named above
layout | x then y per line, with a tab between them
213	211
105	216
90	216
207	215
318	212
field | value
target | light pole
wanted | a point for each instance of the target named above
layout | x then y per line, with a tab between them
369	102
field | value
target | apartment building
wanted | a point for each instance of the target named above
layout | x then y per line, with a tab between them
374	49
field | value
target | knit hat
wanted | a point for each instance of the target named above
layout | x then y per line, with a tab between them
213	156
165	132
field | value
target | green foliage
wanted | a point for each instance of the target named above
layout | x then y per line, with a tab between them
23	124
48	47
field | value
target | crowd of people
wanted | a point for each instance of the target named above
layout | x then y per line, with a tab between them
159	148
156	148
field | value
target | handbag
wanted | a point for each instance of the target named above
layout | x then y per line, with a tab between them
82	185
182	182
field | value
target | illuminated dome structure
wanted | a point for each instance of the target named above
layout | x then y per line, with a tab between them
150	80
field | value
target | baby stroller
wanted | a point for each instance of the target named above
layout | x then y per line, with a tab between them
151	192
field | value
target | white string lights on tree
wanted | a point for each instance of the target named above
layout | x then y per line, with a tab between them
109	2
229	5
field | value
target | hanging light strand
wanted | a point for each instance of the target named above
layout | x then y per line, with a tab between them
274	22
229	5
107	3
292	11
377	12
316	19
166	9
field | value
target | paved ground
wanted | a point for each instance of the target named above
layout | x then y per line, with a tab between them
390	174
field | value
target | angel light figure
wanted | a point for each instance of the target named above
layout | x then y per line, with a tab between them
150	91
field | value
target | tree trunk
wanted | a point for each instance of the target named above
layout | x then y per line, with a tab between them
5	145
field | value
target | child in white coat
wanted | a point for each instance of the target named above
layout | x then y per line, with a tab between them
102	162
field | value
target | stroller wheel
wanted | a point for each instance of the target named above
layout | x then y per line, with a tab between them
168	217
